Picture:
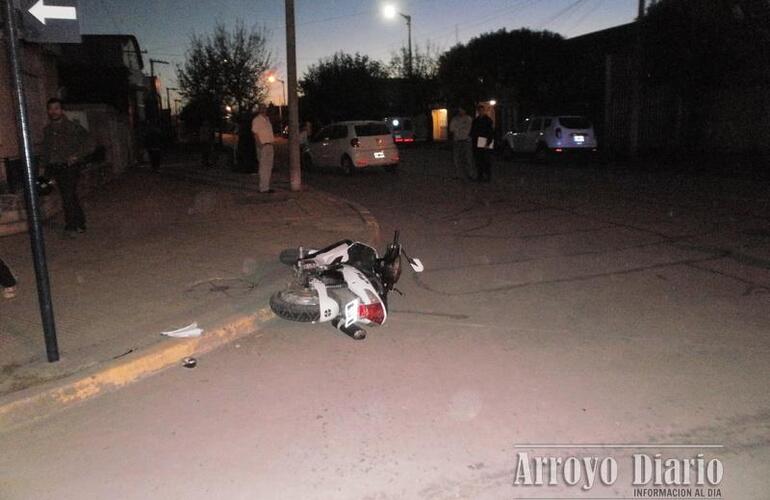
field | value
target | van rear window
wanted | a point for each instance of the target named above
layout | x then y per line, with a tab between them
574	122
371	129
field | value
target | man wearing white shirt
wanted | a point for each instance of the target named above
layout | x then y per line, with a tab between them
263	136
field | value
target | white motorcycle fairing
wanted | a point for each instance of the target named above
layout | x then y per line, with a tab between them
329	309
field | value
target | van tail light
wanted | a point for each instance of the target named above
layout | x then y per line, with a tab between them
355	142
558	133
372	312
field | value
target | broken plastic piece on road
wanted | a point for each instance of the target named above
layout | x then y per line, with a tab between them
188	331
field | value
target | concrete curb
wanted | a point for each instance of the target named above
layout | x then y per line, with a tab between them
40	402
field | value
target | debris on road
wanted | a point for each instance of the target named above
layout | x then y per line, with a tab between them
188	331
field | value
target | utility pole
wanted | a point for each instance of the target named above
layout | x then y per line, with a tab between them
295	173
153	62
168	97
155	94
409	35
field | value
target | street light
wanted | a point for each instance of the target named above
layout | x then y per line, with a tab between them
273	79
390	11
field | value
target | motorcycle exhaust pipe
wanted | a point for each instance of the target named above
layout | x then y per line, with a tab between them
354	331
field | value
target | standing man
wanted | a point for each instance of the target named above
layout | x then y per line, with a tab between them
65	147
482	135
460	128
263	136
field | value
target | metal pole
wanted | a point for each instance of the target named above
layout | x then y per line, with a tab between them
34	218
283	91
409	30
295	174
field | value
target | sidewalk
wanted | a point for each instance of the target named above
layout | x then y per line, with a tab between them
161	252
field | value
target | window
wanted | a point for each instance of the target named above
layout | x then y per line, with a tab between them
574	122
371	129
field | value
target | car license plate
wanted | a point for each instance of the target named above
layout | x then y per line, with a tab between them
580	139
379	155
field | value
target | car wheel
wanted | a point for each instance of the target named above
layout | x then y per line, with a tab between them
392	169
347	165
541	153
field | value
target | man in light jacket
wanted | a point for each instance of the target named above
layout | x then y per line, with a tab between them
462	151
263	136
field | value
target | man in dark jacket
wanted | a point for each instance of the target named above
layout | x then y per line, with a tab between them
482	135
65	147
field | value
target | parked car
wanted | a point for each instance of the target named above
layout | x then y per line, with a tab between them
544	135
352	145
401	128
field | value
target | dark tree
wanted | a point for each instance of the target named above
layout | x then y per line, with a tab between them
344	87
424	63
695	44
226	68
523	65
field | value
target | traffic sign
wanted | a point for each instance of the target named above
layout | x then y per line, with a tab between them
49	21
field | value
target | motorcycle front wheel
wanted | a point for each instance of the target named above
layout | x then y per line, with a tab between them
296	304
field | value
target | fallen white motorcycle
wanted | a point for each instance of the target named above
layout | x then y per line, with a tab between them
346	284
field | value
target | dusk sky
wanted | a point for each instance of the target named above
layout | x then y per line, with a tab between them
163	27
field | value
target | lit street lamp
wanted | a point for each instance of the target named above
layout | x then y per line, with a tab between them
390	11
273	79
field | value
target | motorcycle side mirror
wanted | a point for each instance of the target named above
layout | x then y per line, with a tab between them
416	265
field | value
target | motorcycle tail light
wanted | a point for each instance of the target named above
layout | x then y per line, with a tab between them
372	312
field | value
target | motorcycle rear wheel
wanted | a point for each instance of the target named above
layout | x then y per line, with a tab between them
296	304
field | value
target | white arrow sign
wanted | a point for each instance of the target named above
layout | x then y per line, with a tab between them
44	12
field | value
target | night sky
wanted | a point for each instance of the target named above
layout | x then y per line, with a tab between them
163	27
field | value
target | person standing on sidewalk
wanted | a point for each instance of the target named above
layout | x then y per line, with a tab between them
482	135
462	152
65	147
263	136
7	281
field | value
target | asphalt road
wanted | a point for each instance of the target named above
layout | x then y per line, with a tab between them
561	305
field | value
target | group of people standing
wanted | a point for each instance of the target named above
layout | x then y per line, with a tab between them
472	143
